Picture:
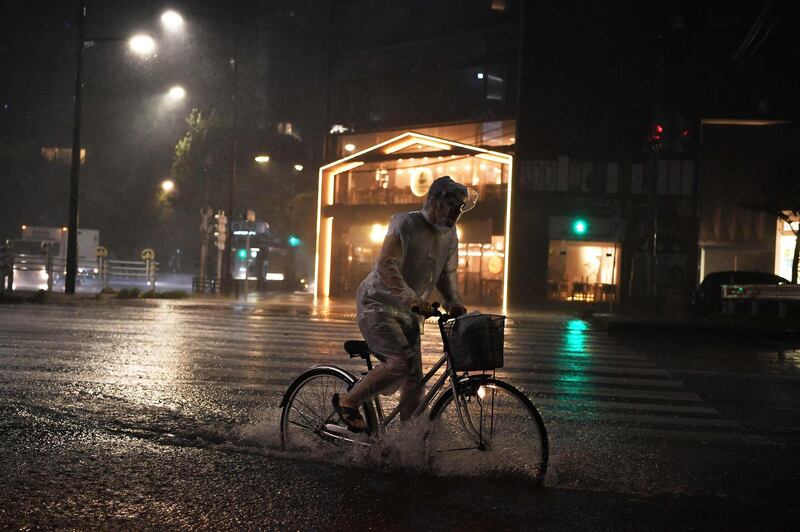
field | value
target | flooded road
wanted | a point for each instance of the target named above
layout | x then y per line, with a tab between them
159	414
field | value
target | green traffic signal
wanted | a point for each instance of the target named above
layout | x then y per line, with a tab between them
579	227
294	241
241	253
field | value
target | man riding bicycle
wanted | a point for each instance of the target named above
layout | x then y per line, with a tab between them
419	253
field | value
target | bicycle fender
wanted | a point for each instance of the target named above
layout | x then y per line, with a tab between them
300	378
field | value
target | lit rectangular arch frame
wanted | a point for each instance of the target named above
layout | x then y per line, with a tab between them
322	265
327	173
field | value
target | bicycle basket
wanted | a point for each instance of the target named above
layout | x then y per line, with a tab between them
475	341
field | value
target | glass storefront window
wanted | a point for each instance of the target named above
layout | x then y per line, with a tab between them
407	179
480	265
480	270
582	271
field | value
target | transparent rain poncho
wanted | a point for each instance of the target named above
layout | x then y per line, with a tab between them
420	251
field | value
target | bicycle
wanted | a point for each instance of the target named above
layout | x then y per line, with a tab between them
491	421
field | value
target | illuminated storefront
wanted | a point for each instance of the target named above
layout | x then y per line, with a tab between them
785	240
359	192
583	259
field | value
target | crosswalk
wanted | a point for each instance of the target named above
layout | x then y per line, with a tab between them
578	376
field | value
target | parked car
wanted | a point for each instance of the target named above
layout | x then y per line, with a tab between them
707	298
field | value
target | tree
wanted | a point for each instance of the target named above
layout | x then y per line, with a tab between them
194	153
195	161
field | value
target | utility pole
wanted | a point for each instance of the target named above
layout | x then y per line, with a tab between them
75	168
653	277
226	279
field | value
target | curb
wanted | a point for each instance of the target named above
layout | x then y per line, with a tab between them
728	331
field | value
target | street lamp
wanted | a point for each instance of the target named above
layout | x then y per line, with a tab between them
140	44
176	93
172	20
261	159
168	185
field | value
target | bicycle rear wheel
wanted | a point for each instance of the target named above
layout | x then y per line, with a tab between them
308	421
500	432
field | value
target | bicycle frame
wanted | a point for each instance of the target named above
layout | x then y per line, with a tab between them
467	425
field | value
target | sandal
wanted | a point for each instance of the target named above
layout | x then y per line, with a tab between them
349	416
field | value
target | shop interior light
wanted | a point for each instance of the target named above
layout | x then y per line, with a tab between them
378	233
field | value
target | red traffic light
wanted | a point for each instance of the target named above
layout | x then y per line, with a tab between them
656	132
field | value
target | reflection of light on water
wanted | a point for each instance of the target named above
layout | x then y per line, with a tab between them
156	368
572	379
574	340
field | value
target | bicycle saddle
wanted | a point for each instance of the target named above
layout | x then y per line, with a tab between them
357	348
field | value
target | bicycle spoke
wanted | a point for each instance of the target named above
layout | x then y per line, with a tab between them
302	414
312	429
457	449
311	410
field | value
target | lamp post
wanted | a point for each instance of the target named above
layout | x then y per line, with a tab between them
227	277
141	44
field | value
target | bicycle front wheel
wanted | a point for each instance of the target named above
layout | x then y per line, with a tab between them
499	432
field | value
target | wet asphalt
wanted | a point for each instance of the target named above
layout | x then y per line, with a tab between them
164	415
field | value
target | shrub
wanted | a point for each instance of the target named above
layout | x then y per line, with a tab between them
129	293
169	294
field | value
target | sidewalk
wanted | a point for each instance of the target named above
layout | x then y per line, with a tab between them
721	326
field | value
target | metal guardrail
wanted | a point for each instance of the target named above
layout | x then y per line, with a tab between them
758	295
6	277
786	292
50	267
126	269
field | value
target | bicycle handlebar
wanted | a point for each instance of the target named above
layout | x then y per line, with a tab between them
435	306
